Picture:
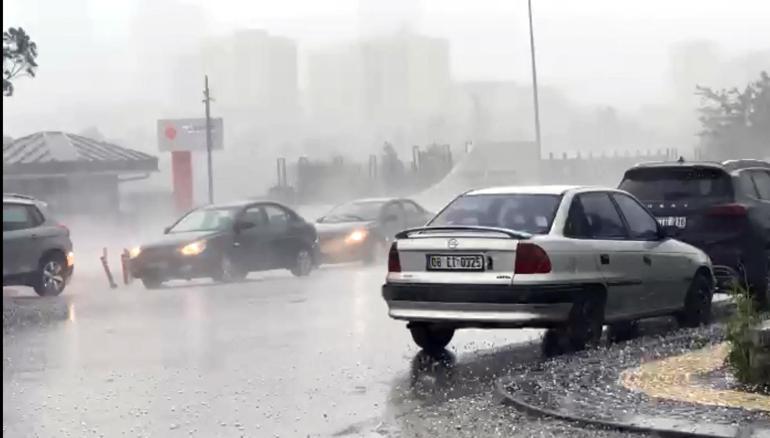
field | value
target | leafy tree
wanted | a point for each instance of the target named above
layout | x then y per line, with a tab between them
736	123
19	54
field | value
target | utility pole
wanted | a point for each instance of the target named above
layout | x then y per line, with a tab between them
534	81
207	101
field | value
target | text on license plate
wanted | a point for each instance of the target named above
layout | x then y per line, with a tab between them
673	221
455	263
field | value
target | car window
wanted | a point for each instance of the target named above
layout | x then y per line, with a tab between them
522	212
411	209
594	216
393	209
356	211
277	217
641	224
205	219
675	184
748	187
762	181
19	217
254	215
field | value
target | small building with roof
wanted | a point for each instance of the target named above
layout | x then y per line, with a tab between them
74	174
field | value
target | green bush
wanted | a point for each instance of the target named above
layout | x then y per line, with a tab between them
746	316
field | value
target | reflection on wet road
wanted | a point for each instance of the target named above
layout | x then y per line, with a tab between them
273	356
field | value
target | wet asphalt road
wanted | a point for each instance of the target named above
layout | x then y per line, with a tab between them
272	356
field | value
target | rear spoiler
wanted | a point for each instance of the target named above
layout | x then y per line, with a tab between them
513	234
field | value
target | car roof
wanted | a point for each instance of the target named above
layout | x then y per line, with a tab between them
729	165
240	203
20	199
527	190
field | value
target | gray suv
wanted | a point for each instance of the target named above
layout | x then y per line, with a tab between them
37	250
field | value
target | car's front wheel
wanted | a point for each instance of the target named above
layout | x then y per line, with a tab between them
697	303
50	279
152	282
431	337
228	270
302	264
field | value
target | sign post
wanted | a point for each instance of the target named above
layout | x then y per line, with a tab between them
181	137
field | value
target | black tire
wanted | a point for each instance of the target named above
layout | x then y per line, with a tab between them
586	320
758	276
50	278
302	264
152	282
697	302
228	271
622	331
430	337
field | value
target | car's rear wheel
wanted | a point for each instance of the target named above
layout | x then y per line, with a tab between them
376	252
229	271
302	264
431	337
622	331
586	319
50	279
758	276
697	303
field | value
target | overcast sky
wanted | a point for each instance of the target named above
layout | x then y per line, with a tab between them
597	51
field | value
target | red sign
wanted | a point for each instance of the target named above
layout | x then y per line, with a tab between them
170	132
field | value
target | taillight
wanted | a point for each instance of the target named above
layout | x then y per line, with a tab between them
394	262
731	210
531	259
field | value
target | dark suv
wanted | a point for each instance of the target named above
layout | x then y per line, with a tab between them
722	208
37	250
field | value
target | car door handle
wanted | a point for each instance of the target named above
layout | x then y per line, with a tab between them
647	260
605	259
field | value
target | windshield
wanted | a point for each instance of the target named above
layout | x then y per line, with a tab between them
205	220
675	184
530	213
354	212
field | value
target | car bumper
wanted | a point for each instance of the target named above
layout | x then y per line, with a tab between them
174	267
338	251
481	306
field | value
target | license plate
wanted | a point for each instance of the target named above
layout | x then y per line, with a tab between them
673	221
455	262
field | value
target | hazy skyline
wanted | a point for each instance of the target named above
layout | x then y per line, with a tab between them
598	52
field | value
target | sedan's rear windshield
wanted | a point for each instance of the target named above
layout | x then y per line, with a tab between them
521	212
676	184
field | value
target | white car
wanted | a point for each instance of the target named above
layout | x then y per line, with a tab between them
560	257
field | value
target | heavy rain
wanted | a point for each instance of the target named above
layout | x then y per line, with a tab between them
404	218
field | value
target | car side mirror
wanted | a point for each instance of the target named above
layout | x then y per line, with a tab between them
240	226
320	219
166	230
669	231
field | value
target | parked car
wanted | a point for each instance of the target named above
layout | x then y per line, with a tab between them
37	250
362	229
564	258
722	208
226	242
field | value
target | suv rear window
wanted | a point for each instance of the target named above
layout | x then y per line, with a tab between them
522	212
674	184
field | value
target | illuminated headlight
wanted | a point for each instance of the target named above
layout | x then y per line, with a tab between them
134	252
357	236
194	248
70	259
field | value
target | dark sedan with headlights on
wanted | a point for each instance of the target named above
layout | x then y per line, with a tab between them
361	230
225	242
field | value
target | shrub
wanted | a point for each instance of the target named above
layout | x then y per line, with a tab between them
746	317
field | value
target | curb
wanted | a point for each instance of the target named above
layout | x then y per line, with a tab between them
655	425
660	426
